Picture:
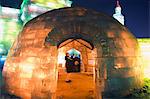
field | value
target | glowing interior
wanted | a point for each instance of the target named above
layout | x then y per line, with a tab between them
74	47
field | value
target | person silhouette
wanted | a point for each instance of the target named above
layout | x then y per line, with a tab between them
77	63
68	65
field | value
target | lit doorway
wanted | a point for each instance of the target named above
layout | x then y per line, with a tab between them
82	85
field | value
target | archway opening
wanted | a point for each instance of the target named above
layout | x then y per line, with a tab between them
83	81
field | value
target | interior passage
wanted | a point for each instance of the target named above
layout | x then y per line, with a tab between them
81	86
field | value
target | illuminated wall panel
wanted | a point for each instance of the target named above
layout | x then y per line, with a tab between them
145	51
9	26
32	8
10	18
9	13
8	31
53	3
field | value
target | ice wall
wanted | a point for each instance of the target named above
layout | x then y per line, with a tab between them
30	70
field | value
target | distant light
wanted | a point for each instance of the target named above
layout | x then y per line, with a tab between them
10	12
74	51
3	58
1	29
1	50
118	66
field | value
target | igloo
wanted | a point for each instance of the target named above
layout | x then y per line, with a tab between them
31	70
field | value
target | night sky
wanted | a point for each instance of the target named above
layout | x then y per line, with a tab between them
136	12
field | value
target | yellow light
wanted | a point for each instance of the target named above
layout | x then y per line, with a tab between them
145	52
41	75
27	70
147	72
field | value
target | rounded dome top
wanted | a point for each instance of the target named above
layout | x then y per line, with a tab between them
77	23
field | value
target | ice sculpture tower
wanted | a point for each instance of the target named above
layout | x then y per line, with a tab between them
118	14
32	8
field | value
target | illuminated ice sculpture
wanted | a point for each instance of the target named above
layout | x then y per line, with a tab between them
30	70
32	8
118	15
9	26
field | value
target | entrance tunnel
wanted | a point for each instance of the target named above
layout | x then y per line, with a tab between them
108	51
82	83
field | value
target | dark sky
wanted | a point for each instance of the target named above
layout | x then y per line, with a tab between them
136	12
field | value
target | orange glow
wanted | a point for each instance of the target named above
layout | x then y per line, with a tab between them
42	75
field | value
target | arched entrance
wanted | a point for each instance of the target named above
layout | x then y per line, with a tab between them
77	47
82	81
32	60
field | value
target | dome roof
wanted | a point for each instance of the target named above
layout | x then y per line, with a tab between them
79	23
